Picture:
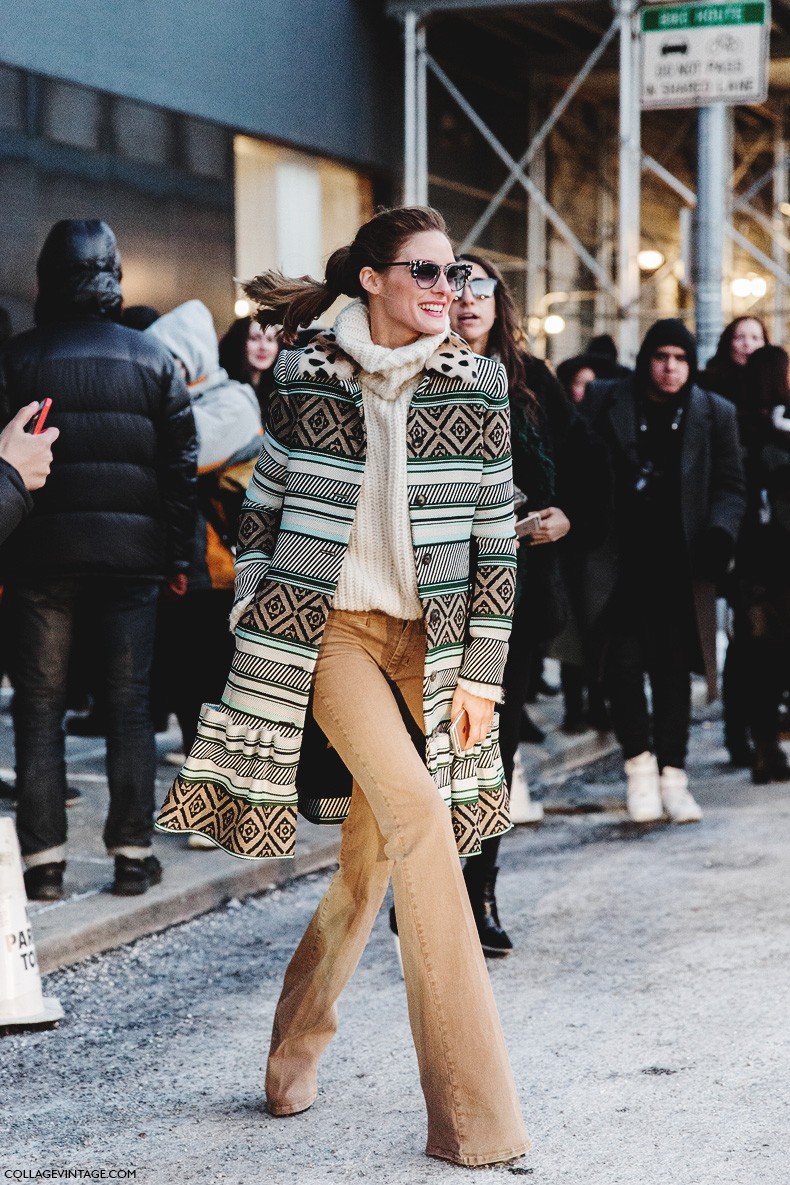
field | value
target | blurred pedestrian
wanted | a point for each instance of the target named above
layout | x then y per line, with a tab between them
114	520
603	346
248	352
387	456
762	566
562	471
727	374
574	374
679	501
229	432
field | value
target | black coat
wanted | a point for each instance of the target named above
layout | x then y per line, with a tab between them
582	489
120	498
15	501
712	493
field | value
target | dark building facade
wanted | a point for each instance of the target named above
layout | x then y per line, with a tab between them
215	139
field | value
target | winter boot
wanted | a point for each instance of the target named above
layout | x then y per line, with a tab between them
44	882
644	795
770	763
481	890
679	802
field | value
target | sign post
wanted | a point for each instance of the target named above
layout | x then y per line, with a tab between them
702	53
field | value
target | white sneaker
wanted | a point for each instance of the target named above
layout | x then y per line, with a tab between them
644	795
196	840
522	808
679	802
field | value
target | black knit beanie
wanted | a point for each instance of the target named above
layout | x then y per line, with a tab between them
669	332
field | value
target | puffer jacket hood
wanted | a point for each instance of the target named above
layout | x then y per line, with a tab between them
79	273
227	413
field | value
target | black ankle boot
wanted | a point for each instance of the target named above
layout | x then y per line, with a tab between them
481	890
770	763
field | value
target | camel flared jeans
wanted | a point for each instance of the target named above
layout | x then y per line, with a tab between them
399	827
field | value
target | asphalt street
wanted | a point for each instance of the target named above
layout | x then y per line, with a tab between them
645	1009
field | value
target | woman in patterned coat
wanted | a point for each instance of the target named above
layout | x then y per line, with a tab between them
374	591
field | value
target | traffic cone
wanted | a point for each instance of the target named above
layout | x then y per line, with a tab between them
522	808
21	1002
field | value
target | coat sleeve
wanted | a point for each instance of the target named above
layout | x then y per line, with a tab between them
493	532
178	443
261	510
15	501
728	483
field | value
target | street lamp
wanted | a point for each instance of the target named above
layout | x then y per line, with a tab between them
649	260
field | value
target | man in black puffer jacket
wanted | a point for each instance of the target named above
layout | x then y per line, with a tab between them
114	521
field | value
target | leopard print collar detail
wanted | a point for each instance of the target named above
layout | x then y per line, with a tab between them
322	360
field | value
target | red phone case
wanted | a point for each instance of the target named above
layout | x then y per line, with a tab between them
41	417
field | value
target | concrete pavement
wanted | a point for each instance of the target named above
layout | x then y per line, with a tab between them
91	920
645	1010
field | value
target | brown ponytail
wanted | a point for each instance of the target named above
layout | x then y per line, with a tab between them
296	302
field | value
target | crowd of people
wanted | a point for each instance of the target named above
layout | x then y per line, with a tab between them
348	507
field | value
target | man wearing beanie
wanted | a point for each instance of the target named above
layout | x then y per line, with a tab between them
679	499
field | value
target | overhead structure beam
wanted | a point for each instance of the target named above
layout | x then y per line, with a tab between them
540	137
399	8
690	198
559	224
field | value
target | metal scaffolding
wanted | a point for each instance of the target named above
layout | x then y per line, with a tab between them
713	219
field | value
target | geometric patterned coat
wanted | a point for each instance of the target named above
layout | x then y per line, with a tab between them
259	756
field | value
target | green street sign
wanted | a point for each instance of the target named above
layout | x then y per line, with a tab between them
696	54
701	16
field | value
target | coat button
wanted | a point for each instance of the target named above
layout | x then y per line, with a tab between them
420	500
427	559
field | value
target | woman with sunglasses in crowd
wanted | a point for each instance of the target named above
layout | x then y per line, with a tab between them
561	469
358	641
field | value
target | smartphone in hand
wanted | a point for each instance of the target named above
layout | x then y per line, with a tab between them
35	426
459	733
528	525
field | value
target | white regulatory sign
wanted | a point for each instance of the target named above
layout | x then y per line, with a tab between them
695	54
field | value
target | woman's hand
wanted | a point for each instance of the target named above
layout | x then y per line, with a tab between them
553	525
476	725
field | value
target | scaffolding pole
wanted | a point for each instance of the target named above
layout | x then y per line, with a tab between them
780	244
714	165
629	220
421	195
536	261
409	108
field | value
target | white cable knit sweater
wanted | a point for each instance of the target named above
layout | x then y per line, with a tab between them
378	570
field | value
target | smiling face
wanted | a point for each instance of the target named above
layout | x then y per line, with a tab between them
400	311
263	346
747	337
472	317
